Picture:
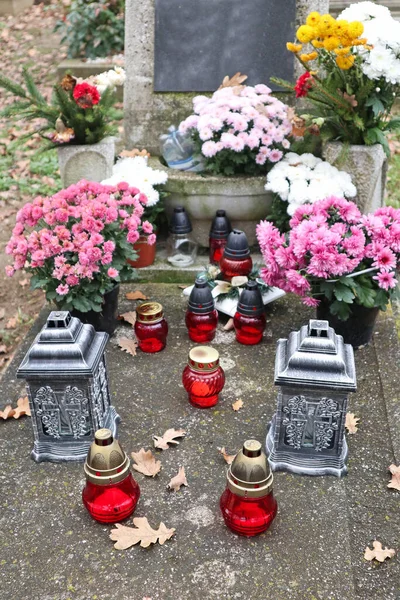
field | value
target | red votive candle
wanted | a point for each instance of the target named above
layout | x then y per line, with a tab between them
249	320
151	328
201	316
220	229
203	378
236	259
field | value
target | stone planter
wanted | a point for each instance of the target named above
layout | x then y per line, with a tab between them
244	198
367	166
93	162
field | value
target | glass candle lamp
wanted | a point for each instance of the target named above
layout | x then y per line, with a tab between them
201	315
111	493
220	229
203	378
248	505
249	320
181	247
236	259
151	328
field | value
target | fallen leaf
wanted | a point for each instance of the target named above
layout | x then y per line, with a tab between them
128	345
135	296
12	323
228	458
178	481
379	553
228	325
2	313
182	286
22	408
3	348
130	317
234	81
237	405
23	282
125	537
168	438
351	423
134	152
7	412
146	463
395	481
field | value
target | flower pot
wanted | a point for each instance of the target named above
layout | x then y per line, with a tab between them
242	197
107	319
146	252
357	330
367	166
93	162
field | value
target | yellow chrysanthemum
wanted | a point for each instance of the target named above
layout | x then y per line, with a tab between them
346	40
293	47
341	27
331	43
305	33
308	57
313	19
345	62
343	51
355	29
360	42
326	26
317	44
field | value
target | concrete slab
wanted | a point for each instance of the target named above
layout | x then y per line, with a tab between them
50	549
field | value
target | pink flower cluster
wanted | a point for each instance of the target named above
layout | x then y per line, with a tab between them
327	240
73	235
240	118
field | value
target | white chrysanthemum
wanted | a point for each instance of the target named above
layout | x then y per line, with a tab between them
364	11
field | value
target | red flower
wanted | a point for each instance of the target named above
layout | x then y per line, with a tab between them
303	84
86	95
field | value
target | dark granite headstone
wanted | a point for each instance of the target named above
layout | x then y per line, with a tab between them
198	42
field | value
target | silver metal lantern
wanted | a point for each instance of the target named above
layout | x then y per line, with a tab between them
315	372
67	386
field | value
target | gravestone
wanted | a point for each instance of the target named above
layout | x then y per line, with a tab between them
176	49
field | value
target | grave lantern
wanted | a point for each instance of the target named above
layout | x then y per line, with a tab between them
315	372
67	386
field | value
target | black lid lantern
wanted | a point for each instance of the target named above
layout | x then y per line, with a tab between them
221	226
201	300
237	246
250	302
180	222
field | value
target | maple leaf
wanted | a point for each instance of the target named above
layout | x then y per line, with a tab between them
130	317
128	345
237	405
7	412
228	325
168	438
379	553
178	481
395	481
22	408
135	296
228	458
125	537
234	81
146	463
351	423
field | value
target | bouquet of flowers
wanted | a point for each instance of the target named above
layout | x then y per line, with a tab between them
79	112
334	252
354	75
240	129
300	179
77	242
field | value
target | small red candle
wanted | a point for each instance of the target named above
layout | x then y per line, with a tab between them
248	505
203	378
201	316
110	494
151	328
249	320
236	259
220	229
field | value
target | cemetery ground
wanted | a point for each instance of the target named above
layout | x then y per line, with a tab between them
52	550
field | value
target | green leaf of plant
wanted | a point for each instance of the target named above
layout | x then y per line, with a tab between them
343	293
340	309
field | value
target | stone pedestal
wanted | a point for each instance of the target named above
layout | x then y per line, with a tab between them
14	7
93	162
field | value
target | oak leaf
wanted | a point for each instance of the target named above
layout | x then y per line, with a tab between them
7	413
395	481
135	296
228	325
168	438
22	408
234	81
176	482
351	423
237	405
125	537
128	345
129	317
228	458
146	463
378	552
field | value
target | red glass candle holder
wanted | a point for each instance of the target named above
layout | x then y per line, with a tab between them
234	267
217	248
248	516
151	328
249	330
111	493
201	327
220	229
203	378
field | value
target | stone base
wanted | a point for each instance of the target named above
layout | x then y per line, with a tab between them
14	7
93	162
304	465
72	451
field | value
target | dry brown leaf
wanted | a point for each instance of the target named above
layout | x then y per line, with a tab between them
395	481
178	481
130	317
183	286
12	323
128	345
134	152
228	458
135	296
3	348
234	81
23	282
125	537
146	463
168	438
7	413
351	423
237	405
2	313
228	325
22	408
379	553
